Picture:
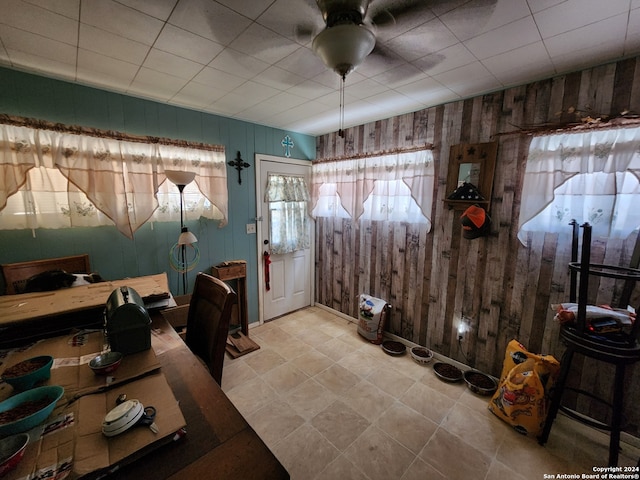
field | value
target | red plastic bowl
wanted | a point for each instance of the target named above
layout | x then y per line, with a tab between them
11	451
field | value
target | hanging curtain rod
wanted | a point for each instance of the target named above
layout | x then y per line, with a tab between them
96	132
574	127
355	156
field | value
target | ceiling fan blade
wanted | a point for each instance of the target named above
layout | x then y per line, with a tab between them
304	33
389	16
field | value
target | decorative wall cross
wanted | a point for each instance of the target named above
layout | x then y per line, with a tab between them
239	164
287	143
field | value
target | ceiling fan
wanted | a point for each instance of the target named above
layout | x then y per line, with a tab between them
350	32
349	35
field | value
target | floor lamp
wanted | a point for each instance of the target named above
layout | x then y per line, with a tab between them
178	254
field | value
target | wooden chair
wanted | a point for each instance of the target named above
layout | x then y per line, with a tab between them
208	321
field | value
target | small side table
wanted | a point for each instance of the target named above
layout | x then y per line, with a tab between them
236	271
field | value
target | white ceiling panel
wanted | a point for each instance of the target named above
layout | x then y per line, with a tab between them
252	59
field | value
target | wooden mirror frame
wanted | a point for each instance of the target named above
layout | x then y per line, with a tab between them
483	154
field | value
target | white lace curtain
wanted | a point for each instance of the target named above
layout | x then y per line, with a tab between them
51	179
287	197
589	176
393	187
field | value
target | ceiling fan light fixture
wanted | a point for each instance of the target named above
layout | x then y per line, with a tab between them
343	47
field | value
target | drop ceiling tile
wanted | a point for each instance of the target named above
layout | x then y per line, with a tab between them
592	54
155	84
474	18
285	100
539	5
262	43
632	42
382	59
310	90
68	8
391	103
160	9
399	76
521	32
401	23
302	62
427	38
428	92
238	64
453	57
574	14
188	45
608	31
459	79
520	65
197	95
121	20
364	89
29	44
248	8
209	19
218	79
172	64
503	13
95	66
231	104
111	45
40	64
47	24
278	78
288	20
254	92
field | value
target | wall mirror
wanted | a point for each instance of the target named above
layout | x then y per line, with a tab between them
471	164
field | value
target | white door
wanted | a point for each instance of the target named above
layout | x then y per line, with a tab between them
290	282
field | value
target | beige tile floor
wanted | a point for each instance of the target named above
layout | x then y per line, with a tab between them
332	406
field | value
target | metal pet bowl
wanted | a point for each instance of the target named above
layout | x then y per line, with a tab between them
480	383
25	374
447	372
105	363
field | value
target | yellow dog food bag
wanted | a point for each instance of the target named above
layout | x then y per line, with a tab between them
522	397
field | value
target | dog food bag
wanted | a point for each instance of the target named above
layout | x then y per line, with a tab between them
372	318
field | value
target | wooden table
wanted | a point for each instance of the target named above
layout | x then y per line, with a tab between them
219	442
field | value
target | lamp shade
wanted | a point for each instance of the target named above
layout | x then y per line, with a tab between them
343	47
186	237
178	177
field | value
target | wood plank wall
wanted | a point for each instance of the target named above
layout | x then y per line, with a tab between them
501	288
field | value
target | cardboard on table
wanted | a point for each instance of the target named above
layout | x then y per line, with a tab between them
80	448
72	354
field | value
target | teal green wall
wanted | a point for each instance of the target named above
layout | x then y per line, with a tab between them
112	254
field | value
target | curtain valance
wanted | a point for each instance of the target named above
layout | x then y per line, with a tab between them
409	175
120	178
590	176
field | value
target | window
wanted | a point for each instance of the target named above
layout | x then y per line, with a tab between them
395	187
288	199
590	176
53	179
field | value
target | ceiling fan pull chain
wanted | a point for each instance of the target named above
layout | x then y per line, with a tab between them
341	131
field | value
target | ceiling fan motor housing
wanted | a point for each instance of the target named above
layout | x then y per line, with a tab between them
336	12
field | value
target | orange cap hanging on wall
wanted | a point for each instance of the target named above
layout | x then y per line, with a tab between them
475	222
